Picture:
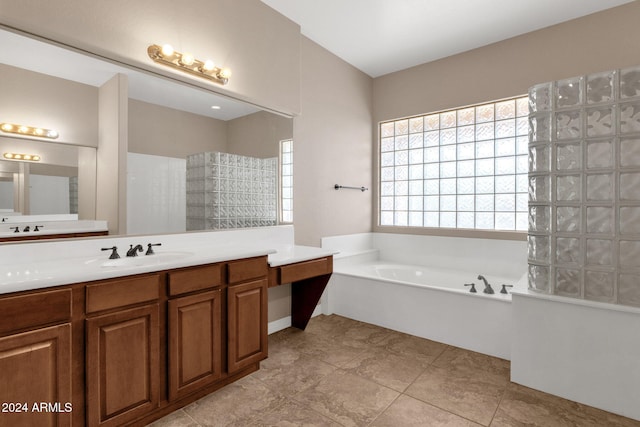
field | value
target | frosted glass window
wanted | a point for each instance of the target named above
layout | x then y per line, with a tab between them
286	180
471	165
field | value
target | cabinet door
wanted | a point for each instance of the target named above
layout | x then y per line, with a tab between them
247	324
35	368
123	366
195	352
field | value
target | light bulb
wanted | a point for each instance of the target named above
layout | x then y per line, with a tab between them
167	50
208	65
7	127
35	158
39	131
17	156
23	129
8	156
187	58
27	157
52	134
225	73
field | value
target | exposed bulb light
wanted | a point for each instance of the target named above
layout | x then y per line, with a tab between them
187	59
208	65
18	156
28	130
188	63
167	50
215	107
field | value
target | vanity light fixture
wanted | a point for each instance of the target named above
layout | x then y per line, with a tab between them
28	130
188	63
17	156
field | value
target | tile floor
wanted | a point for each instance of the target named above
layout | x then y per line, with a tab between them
341	372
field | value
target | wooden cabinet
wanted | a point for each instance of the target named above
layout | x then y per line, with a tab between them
123	365
195	344
122	350
246	313
35	359
35	368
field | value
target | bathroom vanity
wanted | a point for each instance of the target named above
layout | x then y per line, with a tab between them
89	340
140	346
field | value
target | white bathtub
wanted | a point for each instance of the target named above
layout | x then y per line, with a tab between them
429	302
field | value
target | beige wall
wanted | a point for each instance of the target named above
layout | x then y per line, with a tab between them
258	134
163	131
35	99
331	145
111	157
597	42
260	46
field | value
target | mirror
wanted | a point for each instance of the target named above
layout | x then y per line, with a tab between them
168	121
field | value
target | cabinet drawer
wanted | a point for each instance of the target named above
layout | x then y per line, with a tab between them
194	279
122	292
27	311
253	268
304	270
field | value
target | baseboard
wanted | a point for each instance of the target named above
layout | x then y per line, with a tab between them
285	322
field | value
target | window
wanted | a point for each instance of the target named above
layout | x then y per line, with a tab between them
464	168
286	180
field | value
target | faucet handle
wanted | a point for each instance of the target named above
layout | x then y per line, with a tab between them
504	289
473	287
15	229
114	253
150	248
38	227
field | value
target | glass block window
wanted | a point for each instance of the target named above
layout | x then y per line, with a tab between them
464	168
286	180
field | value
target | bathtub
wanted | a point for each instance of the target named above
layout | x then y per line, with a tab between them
429	302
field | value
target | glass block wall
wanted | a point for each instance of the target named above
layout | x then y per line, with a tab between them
230	191
584	187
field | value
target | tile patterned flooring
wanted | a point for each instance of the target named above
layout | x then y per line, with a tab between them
341	372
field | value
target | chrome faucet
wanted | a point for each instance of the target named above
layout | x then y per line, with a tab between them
133	250
487	287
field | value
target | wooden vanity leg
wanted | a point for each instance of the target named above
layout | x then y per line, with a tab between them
305	295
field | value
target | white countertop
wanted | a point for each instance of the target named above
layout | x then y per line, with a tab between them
43	274
43	265
290	254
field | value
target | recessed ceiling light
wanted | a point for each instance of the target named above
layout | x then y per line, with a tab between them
215	107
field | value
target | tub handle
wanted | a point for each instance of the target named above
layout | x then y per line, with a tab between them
504	289
473	287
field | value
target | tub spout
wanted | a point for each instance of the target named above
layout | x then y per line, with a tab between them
487	287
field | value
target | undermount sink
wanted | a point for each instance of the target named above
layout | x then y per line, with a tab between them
143	260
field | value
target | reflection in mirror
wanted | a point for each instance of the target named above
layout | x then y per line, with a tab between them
46	187
167	122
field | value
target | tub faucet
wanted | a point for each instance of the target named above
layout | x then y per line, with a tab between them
133	250
487	287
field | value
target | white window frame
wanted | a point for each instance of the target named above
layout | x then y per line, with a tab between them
402	180
285	178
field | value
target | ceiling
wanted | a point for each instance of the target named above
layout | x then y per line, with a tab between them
66	64
383	36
